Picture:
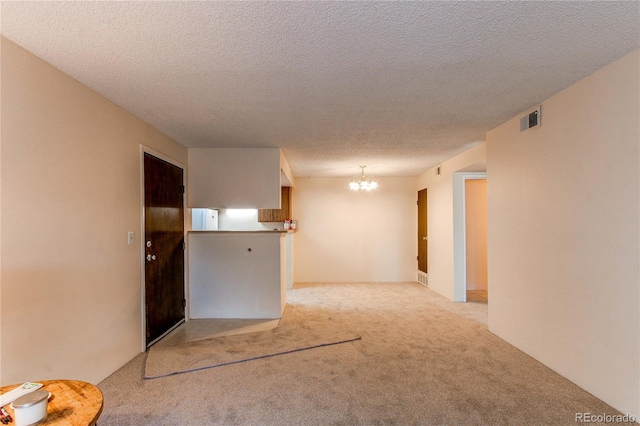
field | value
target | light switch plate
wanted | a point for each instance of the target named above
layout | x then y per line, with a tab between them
130	237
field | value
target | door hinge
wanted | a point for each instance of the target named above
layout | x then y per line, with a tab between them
182	188
184	303
184	246
417	257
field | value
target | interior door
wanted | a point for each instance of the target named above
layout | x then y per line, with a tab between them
164	247
422	231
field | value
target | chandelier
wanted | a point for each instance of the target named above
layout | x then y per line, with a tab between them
362	182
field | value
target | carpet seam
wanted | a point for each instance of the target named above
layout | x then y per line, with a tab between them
191	370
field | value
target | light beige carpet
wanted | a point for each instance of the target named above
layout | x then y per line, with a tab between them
422	360
298	330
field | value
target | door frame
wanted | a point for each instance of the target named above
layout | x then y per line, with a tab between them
426	228
143	323
460	233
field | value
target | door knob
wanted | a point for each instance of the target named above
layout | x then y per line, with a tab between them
424	238
151	257
149	243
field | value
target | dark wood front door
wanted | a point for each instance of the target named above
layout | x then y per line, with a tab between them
164	246
422	231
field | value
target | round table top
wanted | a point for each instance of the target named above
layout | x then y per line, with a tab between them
72	402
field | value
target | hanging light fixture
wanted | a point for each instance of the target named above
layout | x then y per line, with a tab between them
362	182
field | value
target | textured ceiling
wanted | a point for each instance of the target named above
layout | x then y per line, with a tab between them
398	86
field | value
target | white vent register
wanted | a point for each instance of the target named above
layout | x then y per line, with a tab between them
531	120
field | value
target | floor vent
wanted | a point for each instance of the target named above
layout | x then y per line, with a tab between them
423	278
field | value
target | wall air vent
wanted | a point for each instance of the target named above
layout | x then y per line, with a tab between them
423	278
530	120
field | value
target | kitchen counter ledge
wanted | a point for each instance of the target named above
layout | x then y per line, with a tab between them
260	231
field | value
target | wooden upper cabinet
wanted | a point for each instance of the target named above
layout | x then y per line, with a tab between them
281	214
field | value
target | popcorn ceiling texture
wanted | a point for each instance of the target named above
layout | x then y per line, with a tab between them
398	86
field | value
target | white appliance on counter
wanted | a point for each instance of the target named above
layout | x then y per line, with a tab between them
204	219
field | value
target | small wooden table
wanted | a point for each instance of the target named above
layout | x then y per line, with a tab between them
72	402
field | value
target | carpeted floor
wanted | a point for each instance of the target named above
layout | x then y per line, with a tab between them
300	329
422	360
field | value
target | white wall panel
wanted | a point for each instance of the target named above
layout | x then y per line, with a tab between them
347	236
564	213
236	275
234	178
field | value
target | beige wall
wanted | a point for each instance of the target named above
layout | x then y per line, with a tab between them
1	210
476	233
70	159
350	236
440	215
564	212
